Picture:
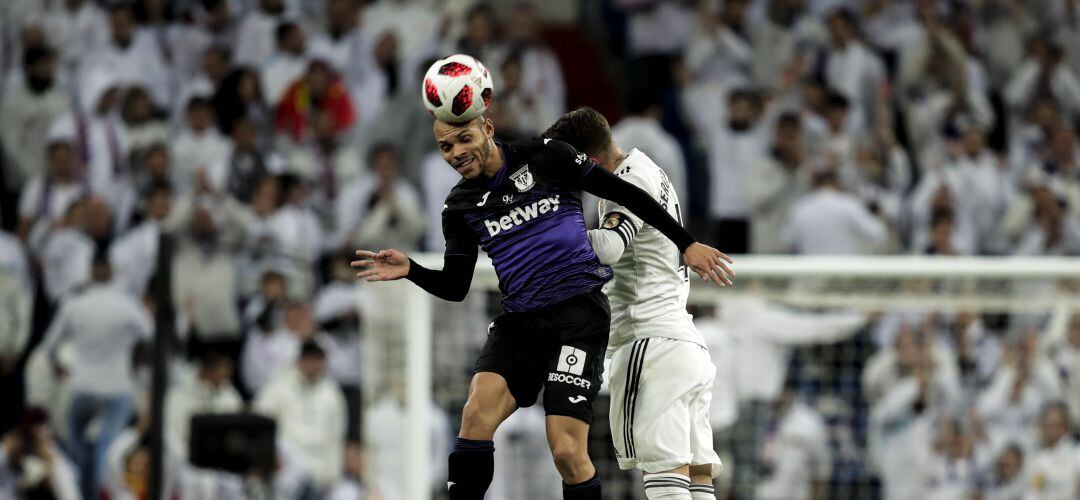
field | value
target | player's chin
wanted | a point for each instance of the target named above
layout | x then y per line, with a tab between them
469	171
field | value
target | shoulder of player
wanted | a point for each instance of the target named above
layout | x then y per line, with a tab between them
641	171
462	196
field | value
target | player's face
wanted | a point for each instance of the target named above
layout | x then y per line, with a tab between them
466	147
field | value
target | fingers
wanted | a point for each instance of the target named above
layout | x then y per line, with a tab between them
714	276
726	273
365	254
367	273
361	263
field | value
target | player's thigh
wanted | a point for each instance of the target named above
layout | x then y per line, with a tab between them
705	457
653	416
517	350
489	404
573	374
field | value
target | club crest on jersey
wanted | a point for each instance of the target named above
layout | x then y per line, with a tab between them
523	179
611	221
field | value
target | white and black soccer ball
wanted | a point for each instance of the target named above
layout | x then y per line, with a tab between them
457	89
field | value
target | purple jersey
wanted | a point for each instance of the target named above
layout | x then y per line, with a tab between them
528	219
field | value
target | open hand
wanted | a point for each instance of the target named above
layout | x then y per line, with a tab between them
709	263
387	265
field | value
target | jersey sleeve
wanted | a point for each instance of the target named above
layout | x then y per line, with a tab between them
563	164
460	240
617	218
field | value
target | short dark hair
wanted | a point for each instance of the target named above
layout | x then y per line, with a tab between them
789	119
283	29
34	54
584	128
311	349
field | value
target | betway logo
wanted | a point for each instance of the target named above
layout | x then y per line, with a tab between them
520	215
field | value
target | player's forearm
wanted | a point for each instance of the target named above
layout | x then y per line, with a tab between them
451	283
605	185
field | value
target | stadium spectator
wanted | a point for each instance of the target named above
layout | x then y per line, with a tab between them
103	325
204	281
328	162
516	114
246	163
130	55
297	237
851	67
1006	478
134	254
382	210
46	196
69	249
286	64
1054	471
345	40
794	452
1010	405
239	95
208	390
780	178
198	147
720	51
337	309
541	75
310	412
269	352
16	299
1064	349
27	113
1044	71
828	221
255	32
32	464
320	89
735	140
75	28
641	129
145	121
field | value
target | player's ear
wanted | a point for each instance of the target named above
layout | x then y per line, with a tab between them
488	127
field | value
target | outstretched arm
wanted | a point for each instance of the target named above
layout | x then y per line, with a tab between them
451	283
706	261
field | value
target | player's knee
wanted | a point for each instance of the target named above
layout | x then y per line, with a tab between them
570	458
701	474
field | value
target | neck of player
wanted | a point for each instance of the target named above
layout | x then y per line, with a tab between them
494	161
613	157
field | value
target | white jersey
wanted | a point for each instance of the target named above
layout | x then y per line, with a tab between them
648	293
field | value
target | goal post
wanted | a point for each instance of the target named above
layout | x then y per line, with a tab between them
1007	285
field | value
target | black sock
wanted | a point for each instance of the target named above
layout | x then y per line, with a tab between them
472	463
589	490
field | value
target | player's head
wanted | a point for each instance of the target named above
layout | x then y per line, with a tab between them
468	147
588	132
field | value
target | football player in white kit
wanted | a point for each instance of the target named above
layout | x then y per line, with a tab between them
662	374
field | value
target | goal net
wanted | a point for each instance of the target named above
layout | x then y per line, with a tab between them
816	358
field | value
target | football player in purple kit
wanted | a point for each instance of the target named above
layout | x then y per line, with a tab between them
521	204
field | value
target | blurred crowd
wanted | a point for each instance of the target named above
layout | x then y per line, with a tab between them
248	146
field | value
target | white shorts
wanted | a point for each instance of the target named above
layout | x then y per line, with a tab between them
660	394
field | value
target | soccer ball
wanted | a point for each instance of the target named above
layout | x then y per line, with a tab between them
457	89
